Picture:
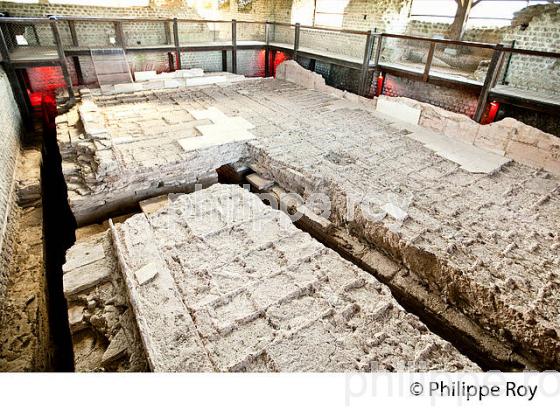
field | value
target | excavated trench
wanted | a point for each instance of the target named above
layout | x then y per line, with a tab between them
440	318
59	234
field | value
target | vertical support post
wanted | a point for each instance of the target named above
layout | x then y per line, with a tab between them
266	49
176	40
234	46
119	33
224	60
171	61
167	29
296	41
429	59
508	62
76	59
489	82
34	28
377	55
312	64
17	89
62	60
365	64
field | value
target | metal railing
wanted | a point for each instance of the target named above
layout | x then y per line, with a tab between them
73	36
499	54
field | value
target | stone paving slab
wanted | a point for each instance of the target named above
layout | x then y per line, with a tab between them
218	281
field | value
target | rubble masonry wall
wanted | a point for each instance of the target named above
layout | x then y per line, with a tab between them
11	131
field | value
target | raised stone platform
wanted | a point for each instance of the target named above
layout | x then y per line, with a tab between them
218	281
485	244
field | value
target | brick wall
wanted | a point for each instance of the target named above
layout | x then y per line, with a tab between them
542	32
452	99
11	132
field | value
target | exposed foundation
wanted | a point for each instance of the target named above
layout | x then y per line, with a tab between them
472	235
222	282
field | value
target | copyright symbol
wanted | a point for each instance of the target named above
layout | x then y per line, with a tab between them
416	389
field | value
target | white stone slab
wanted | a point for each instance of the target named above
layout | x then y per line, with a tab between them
399	111
146	273
205	80
151	205
81	255
144	75
259	182
202	142
193	72
211	113
128	88
84	278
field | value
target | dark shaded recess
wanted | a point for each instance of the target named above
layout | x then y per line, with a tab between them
59	234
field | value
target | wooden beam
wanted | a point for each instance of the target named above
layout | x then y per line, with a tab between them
489	82
429	59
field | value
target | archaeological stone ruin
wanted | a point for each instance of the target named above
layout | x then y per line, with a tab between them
268	199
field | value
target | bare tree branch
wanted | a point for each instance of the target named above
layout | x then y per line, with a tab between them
476	2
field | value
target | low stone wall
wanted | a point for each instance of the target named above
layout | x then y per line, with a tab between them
11	130
509	137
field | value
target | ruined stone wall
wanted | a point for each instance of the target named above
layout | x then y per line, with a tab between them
536	28
11	132
481	34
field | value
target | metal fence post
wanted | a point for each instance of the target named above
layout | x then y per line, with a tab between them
234	46
62	60
76	59
365	64
176	40
17	89
296	40
266	49
376	57
489	82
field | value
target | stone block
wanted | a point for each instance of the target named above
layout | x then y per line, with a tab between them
398	110
144	75
259	182
206	80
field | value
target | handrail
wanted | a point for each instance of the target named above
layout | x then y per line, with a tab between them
528	52
365	66
342	30
442	40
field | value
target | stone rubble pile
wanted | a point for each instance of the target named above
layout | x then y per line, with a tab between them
104	330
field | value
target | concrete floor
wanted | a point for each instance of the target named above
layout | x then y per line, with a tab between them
483	244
